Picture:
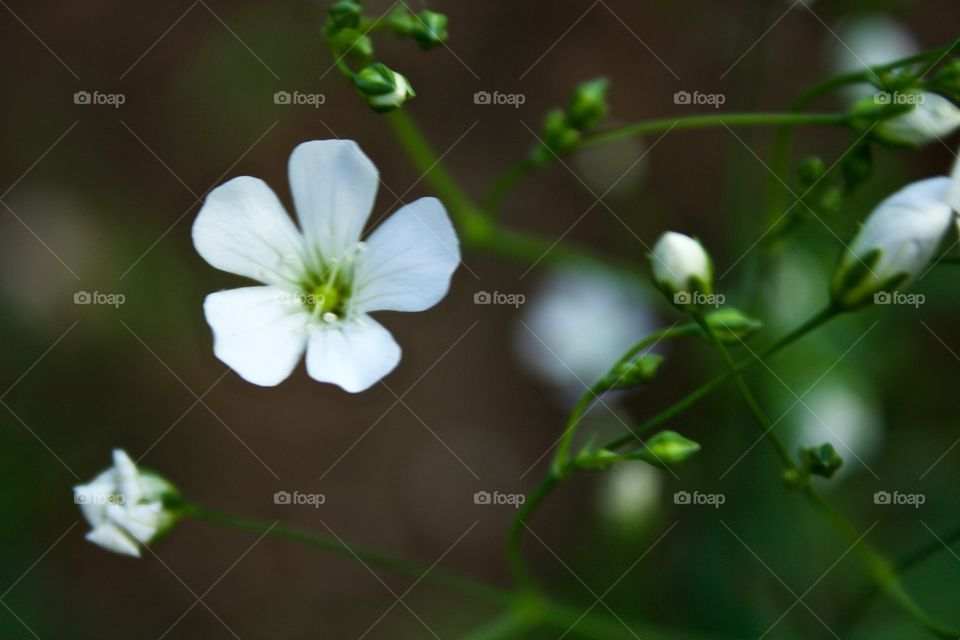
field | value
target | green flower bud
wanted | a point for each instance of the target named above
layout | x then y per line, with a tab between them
345	14
558	135
383	88
731	326
822	460
811	170
947	78
597	460
858	166
429	29
666	448
354	43
588	104
632	373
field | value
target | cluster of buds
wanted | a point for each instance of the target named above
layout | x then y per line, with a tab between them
663	450
563	128
346	32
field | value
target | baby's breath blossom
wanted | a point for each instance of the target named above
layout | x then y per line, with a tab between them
126	507
320	281
931	118
681	268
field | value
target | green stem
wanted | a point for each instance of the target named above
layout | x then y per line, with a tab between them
880	571
375	559
518	565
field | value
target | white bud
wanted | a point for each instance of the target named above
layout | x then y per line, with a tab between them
125	507
931	118
681	268
895	244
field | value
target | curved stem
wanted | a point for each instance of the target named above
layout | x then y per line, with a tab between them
369	557
880	571
526	167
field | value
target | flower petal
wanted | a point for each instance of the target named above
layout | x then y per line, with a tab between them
953	193
243	229
128	477
112	538
140	521
260	332
353	354
94	497
334	186
409	260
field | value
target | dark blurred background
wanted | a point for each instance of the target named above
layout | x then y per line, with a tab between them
101	199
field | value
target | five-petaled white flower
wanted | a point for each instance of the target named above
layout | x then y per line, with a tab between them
320	282
125	506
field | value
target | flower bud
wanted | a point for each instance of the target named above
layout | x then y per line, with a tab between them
383	88
588	104
948	78
632	373
429	29
558	135
731	326
931	117
895	244
682	269
127	507
822	460
345	14
354	43
667	448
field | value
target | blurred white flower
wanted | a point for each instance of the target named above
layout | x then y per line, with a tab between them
845	415
896	243
125	507
321	281
616	169
869	41
932	117
577	324
629	495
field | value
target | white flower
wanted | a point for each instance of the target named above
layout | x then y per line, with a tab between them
931	118
320	281
898	240
577	324
125	507
681	267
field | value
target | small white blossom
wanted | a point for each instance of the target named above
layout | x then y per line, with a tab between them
898	240
125	506
932	117
320	281
681	267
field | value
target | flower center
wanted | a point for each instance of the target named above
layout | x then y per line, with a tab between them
326	291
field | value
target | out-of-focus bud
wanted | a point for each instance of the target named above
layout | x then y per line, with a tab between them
930	117
811	170
632	373
429	29
666	448
895	244
558	135
345	14
947	78
822	460
858	166
731	326
352	43
588	104
682	269
383	88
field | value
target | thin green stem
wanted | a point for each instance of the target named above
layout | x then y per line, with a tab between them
880	571
375	559
518	565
